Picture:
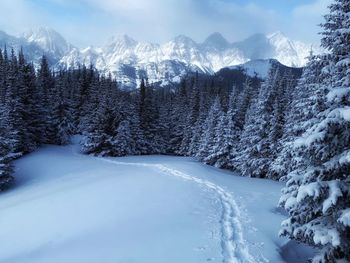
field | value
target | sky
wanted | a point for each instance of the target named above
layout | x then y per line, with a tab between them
93	22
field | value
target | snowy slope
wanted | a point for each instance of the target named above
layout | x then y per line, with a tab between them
259	67
77	208
288	52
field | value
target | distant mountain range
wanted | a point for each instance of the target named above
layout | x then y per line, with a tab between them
129	60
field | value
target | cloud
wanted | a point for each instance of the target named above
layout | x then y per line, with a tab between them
239	21
160	20
17	15
85	22
305	20
313	10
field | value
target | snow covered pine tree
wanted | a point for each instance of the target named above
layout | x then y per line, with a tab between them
317	194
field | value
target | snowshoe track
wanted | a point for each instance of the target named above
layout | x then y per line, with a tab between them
234	246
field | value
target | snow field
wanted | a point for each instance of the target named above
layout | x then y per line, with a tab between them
233	244
68	207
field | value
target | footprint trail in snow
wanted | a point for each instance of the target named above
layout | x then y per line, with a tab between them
234	246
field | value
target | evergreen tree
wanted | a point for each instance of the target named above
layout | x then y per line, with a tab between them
122	142
29	98
5	167
177	118
149	119
253	154
317	191
104	121
5	157
82	120
208	136
197	130
60	120
221	147
225	135
191	118
277	135
13	109
300	114
99	137
46	89
140	144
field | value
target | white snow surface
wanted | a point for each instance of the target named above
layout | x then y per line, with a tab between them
68	207
259	67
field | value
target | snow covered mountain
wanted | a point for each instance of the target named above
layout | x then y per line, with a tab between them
32	51
261	67
129	60
258	67
48	40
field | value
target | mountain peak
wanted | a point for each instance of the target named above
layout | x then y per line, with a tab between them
49	40
123	39
216	40
42	32
184	39
277	35
259	37
47	30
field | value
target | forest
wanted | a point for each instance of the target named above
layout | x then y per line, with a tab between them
294	126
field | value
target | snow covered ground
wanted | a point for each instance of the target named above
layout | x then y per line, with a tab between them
68	207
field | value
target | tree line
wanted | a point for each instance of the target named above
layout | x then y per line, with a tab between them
287	127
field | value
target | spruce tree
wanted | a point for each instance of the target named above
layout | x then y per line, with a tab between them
307	101
140	145
13	109
46	89
226	137
197	130
5	153
122	142
60	120
253	154
191	119
104	122
5	167
208	137
177	117
317	191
